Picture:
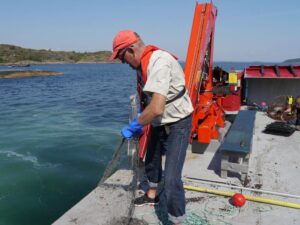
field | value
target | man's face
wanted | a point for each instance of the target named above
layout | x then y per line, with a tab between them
127	55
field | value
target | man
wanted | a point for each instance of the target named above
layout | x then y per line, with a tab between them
294	108
167	107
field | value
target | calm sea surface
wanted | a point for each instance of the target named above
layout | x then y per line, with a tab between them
57	134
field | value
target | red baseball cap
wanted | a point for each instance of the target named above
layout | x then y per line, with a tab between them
123	39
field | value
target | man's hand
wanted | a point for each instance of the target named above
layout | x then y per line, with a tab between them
134	129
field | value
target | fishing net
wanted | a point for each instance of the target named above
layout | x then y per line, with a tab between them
121	161
125	157
279	128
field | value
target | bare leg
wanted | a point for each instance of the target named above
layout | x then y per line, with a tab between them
151	193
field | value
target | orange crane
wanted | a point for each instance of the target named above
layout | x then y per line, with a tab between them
208	114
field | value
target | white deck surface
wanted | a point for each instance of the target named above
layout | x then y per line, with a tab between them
274	166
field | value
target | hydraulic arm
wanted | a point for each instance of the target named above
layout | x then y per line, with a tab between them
208	115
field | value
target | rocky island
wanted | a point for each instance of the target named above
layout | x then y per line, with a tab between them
16	57
27	73
292	61
10	54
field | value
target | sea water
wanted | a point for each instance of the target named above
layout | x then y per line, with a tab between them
57	133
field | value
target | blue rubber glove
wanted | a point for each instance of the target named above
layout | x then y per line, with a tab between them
134	129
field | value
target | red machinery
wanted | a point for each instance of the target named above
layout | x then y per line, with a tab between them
208	114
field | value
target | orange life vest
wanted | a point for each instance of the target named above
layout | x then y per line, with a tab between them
142	73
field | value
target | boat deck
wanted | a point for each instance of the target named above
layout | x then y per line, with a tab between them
274	166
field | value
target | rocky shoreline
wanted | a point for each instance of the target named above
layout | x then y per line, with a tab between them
27	73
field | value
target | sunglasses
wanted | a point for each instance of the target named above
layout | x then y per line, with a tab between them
121	54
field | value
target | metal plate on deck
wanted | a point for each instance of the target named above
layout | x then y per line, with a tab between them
239	137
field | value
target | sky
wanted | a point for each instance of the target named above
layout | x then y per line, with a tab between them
246	30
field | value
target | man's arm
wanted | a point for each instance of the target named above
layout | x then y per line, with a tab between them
154	109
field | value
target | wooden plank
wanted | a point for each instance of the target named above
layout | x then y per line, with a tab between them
234	167
224	160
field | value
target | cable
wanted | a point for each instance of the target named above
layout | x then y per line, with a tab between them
243	188
251	198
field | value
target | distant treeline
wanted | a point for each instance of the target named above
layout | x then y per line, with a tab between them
293	61
10	54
